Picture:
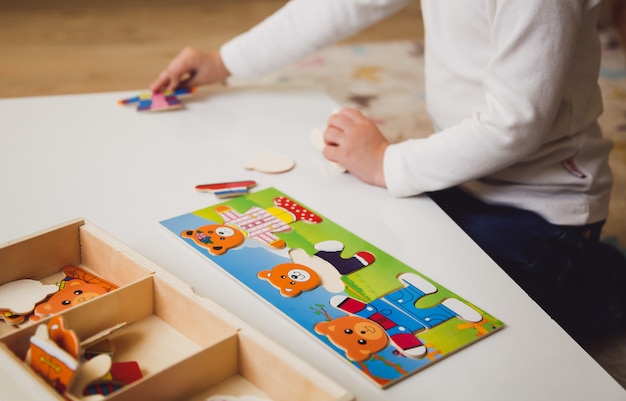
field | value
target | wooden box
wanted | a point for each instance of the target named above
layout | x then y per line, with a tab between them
187	346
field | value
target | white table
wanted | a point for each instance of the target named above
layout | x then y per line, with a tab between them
84	156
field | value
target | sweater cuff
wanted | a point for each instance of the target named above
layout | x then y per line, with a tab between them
233	60
395	173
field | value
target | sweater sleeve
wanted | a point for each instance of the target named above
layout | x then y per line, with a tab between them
528	48
299	29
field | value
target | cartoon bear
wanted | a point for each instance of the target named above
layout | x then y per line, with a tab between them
216	238
401	319
291	278
74	292
360	338
262	224
330	264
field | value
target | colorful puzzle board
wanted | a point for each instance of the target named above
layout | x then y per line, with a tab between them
379	314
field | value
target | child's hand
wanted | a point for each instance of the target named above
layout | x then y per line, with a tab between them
191	67
355	142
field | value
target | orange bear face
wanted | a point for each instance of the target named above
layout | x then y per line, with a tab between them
291	278
216	238
357	336
74	293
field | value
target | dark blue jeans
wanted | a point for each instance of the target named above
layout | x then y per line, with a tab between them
548	261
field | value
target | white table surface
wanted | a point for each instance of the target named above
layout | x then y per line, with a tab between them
64	157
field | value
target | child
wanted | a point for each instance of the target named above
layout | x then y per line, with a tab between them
517	158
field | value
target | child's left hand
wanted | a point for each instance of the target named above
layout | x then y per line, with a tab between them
355	142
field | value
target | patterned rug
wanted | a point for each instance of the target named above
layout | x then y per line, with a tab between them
386	82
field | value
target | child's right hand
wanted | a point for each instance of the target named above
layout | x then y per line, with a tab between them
191	67
356	143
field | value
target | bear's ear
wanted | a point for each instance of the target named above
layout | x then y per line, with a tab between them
187	234
325	327
264	274
43	308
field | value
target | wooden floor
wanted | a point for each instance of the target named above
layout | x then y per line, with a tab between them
78	46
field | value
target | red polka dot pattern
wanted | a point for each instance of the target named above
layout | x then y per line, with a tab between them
300	212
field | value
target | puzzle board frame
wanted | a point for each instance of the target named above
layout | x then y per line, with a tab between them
368	285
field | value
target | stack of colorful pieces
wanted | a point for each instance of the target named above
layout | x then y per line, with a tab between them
158	101
227	189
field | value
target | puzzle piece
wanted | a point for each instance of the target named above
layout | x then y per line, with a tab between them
399	328
126	372
215	238
270	162
13	318
75	272
257	223
55	353
19	297
331	252
51	359
415	287
328	263
291	278
299	212
88	372
397	313
74	292
64	338
261	224
119	375
227	189
329	276
358	337
31	293
103	388
158	101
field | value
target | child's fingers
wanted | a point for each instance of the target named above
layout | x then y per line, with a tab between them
167	80
187	79
340	120
331	136
161	82
179	68
171	80
174	83
352	114
331	152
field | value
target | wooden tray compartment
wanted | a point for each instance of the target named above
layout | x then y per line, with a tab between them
74	243
187	347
